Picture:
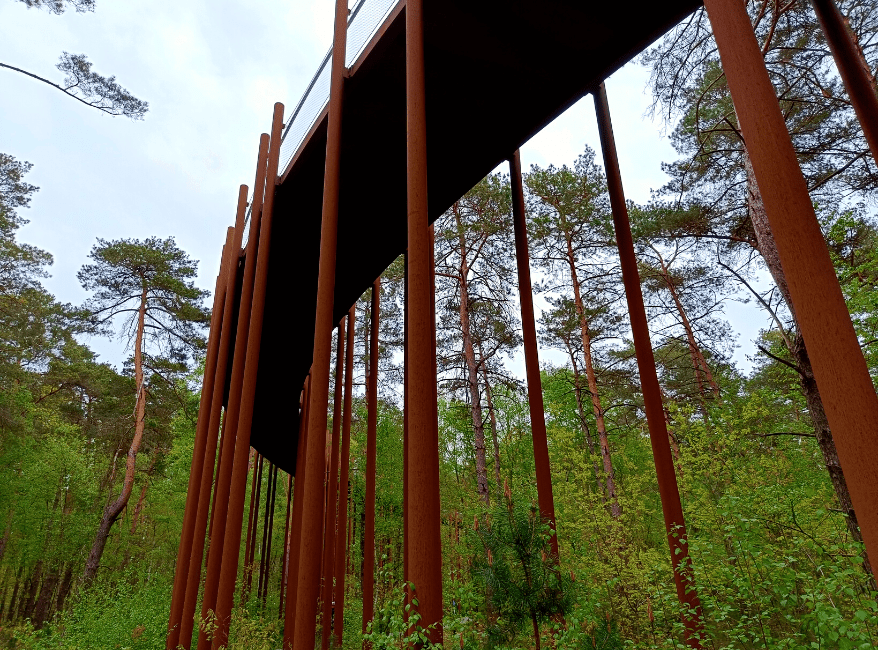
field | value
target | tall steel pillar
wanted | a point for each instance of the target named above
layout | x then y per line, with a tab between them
531	352
238	486
309	562
296	524
850	64
839	367
195	494
341	555
371	430
285	555
230	417
196	552
422	462
672	508
331	499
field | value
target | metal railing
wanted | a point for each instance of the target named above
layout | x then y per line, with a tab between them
365	18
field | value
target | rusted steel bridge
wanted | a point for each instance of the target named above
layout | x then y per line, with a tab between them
415	103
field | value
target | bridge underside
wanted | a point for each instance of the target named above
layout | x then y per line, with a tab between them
496	74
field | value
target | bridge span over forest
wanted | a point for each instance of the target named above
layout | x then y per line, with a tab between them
415	103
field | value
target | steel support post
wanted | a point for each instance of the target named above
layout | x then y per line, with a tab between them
341	555
422	463
839	367
193	580
266	520
371	435
270	537
851	67
296	525
672	509
230	417
199	452
332	489
285	554
238	486
309	561
252	520
531	353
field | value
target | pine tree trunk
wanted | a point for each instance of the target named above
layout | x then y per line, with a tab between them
609	475
472	371
580	407
11	609
64	589
114	509
29	598
489	397
138	509
699	363
45	599
768	249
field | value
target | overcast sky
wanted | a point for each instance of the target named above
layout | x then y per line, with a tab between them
211	72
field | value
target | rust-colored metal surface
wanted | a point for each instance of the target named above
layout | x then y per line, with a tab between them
371	431
194	492
296	527
332	488
266	554
252	518
839	367
253	340
285	554
672	508
193	575
341	555
224	478
309	560
850	64
422	462
531	352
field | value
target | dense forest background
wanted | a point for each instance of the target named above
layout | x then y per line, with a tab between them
95	459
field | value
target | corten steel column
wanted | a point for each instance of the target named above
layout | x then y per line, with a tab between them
371	431
230	417
213	500
296	524
251	526
194	493
309	561
531	353
851	69
422	464
285	555
341	555
332	489
250	558
672	509
193	580
270	536
839	366
265	533
238	488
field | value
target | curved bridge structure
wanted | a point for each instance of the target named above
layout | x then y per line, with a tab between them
415	103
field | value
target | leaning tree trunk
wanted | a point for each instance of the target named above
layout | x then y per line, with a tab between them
472	372
609	474
114	509
768	250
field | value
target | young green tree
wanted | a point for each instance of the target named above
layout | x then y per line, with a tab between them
148	286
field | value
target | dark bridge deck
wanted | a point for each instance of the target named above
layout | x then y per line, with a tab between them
496	74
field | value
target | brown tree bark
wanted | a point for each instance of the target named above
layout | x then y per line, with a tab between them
609	474
64	589
29	597
45	599
472	369
489	397
699	363
114	509
768	250
10	610
138	509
